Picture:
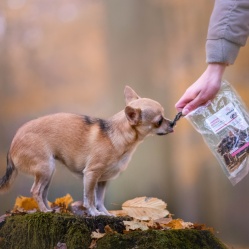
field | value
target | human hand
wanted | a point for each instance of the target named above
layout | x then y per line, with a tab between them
204	89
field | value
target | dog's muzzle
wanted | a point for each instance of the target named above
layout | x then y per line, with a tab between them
169	130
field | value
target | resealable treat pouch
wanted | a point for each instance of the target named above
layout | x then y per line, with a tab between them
224	126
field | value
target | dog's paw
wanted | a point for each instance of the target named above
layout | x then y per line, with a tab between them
97	213
46	210
108	214
112	215
102	209
94	212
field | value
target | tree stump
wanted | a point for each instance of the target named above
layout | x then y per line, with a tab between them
51	230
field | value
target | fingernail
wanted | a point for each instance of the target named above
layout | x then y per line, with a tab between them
185	111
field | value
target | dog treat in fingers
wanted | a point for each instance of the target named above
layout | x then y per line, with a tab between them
177	117
224	125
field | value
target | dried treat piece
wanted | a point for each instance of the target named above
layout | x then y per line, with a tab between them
177	117
234	148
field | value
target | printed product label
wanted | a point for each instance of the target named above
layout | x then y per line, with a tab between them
228	115
237	150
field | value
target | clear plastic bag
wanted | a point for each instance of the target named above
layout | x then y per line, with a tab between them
224	126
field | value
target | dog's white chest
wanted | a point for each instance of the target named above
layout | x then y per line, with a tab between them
114	169
122	164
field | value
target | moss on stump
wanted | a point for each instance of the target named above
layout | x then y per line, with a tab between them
156	239
45	230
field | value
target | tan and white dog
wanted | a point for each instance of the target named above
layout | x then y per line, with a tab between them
96	149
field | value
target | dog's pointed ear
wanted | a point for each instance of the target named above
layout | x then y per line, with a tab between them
133	115
130	95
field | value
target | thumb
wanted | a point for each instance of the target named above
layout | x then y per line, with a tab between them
192	105
183	102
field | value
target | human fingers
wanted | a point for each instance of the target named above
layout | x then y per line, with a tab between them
190	94
193	104
202	97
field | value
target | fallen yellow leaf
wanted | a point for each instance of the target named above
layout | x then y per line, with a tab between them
179	224
26	203
63	201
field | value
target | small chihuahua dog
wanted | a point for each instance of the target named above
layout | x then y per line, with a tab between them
95	149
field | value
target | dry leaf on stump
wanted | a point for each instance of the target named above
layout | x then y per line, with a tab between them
28	203
97	235
179	224
25	203
118	213
62	204
135	225
145	208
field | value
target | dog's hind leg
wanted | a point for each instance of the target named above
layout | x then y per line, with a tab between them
37	192
45	193
40	187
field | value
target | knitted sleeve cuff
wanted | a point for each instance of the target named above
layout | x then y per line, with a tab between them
221	51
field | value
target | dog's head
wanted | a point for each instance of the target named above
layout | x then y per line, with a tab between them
145	115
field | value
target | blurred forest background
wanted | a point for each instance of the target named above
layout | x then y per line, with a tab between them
77	56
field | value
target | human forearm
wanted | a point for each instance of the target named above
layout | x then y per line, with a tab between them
228	30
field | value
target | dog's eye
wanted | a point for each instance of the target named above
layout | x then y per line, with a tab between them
159	122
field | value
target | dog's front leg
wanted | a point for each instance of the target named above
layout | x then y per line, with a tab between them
90	182
100	197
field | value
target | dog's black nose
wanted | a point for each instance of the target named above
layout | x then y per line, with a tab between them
171	124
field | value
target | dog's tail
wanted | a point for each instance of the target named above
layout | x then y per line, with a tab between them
10	174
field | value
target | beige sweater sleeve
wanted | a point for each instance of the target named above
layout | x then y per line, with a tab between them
228	30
